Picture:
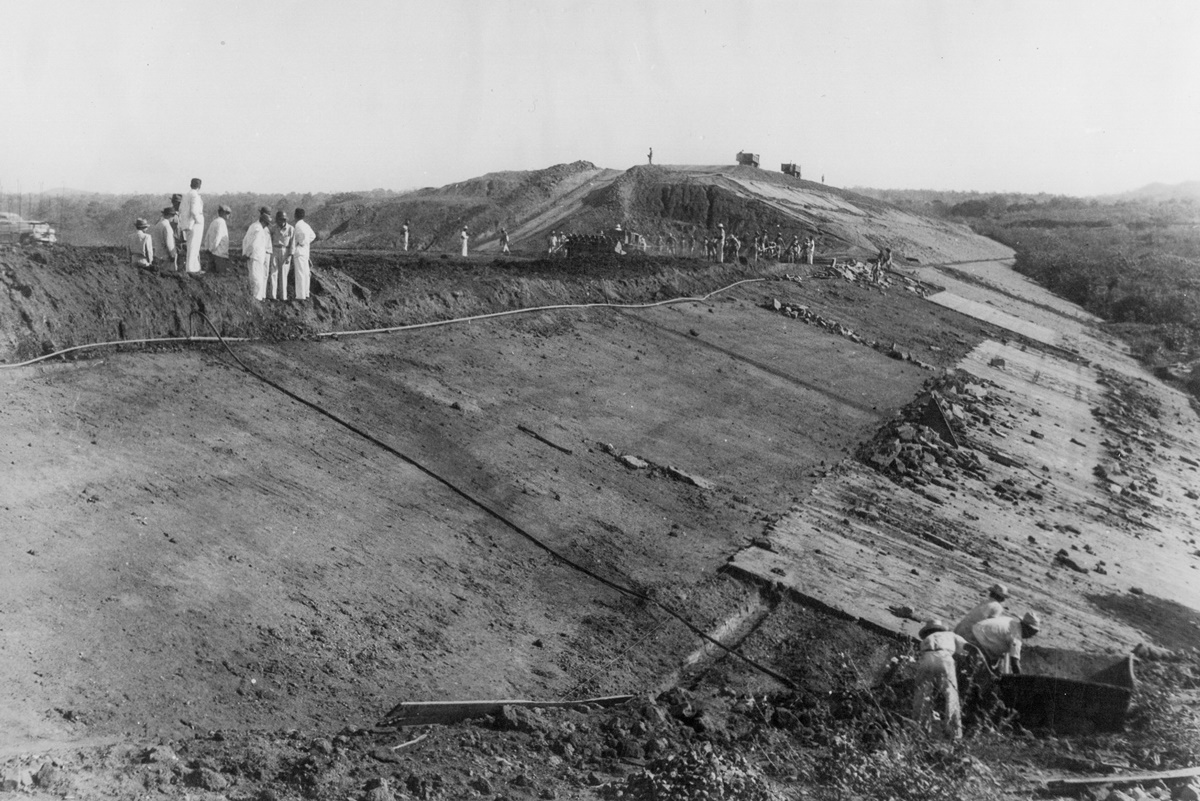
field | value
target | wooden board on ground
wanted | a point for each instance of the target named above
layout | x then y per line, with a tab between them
419	713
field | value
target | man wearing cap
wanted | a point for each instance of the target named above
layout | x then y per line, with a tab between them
993	607
163	236
140	246
282	236
302	238
191	224
256	247
937	684
1000	639
465	238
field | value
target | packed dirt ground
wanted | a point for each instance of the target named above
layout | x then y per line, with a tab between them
218	589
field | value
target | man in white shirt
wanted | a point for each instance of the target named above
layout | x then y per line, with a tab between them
140	247
993	607
405	231
216	241
1000	639
302	237
937	681
164	241
191	224
282	234
256	247
465	238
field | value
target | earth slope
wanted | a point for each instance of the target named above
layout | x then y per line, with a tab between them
686	202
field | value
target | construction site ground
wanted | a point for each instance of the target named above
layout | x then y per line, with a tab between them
216	589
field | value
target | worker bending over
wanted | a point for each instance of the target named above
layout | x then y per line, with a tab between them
1000	639
937	682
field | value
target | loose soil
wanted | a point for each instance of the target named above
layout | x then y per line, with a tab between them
212	587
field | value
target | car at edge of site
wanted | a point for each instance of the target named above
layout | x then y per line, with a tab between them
15	229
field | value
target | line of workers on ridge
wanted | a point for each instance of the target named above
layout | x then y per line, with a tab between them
274	252
987	632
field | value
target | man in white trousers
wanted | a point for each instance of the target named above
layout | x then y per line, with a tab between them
256	247
303	236
281	257
191	224
465	237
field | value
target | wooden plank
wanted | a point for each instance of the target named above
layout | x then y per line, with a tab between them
1130	778
418	713
540	438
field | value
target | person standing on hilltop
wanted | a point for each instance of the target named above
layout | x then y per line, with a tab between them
191	224
164	241
282	241
256	245
465	239
216	241
302	239
140	246
650	156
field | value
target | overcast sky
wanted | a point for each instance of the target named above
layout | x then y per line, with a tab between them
1064	97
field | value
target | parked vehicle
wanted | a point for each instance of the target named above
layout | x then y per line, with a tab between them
25	232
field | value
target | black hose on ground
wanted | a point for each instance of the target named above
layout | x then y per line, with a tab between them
499	516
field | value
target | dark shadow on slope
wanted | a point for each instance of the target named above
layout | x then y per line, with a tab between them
1167	623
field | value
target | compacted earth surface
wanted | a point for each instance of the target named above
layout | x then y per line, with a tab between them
226	562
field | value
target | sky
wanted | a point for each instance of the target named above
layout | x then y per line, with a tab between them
1057	96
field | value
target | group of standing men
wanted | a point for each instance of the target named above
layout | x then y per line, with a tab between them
273	251
988	631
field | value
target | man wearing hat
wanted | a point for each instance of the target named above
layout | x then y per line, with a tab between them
216	241
1000	639
256	247
937	683
140	246
163	235
282	237
465	238
993	607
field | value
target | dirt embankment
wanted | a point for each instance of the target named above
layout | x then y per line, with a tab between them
60	297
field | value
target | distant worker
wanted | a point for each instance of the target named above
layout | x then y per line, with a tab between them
937	681
216	241
404	232
810	245
191	224
164	241
721	244
283	237
503	240
735	248
993	607
1000	639
176	202
140	246
650	156
793	249
302	238
256	247
465	238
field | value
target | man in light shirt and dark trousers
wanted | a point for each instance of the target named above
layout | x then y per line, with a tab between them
281	257
216	241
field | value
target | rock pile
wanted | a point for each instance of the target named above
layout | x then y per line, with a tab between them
922	445
806	315
869	275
